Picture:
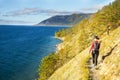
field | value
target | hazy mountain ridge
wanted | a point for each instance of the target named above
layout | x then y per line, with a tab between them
65	19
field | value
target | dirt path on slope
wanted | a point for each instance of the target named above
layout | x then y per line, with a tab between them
94	72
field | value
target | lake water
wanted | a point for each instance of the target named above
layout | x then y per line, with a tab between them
22	48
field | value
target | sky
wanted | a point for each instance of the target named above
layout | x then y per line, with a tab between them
30	12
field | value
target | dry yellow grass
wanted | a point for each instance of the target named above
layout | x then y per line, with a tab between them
76	68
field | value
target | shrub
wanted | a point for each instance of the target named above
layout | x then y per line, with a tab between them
48	66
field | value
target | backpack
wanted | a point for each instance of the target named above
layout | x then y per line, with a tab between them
96	46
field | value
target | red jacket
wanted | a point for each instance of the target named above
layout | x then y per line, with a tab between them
92	45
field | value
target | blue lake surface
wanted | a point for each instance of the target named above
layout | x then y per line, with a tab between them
22	48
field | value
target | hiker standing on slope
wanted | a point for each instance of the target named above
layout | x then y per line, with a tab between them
94	49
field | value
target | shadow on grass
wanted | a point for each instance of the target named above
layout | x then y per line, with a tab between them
108	53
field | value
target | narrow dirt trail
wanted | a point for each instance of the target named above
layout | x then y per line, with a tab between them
94	72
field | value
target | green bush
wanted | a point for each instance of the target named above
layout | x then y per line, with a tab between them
48	66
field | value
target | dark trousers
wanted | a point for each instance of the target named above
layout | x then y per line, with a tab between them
95	55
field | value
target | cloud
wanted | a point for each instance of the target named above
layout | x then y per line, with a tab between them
26	11
96	7
92	9
36	11
51	12
3	21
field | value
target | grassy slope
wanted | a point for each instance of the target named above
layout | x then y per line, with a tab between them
76	68
110	68
73	55
81	35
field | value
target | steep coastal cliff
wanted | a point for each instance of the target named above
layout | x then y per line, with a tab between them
72	60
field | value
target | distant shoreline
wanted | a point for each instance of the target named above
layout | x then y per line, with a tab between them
39	25
55	25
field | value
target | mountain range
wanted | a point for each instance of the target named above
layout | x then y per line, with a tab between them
65	19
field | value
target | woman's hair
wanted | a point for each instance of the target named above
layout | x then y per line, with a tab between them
96	37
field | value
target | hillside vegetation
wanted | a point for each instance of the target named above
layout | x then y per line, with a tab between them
71	62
